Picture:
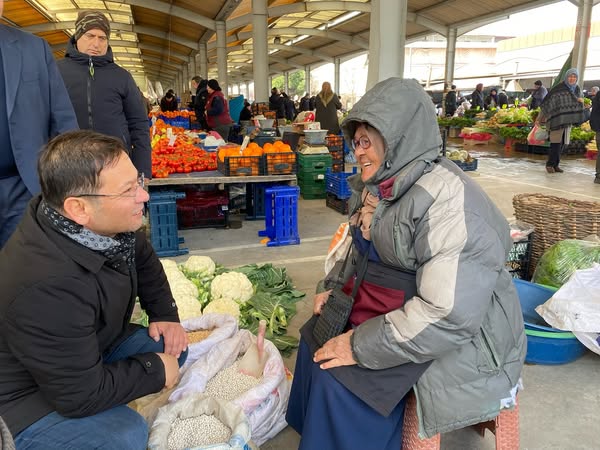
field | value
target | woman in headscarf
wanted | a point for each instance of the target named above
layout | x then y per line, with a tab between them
561	109
217	110
436	308
326	105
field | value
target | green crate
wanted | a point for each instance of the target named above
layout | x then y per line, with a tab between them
314	163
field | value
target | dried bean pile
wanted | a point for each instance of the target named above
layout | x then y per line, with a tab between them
197	432
197	336
229	383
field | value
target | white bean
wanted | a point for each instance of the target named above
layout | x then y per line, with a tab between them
229	383
197	432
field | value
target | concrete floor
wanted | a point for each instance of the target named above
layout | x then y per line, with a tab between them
560	405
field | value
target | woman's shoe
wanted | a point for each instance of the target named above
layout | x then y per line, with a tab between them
558	170
549	169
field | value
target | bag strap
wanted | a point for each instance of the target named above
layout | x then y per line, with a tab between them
361	269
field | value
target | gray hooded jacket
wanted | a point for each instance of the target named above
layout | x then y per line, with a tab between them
440	224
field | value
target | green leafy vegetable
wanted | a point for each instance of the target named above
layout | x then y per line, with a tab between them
562	259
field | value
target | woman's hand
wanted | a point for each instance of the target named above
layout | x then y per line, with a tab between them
336	352
319	301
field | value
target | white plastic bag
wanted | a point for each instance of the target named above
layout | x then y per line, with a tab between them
576	305
193	406
338	246
223	326
264	404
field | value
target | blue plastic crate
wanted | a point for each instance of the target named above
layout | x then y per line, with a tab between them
337	183
466	166
163	223
281	215
255	200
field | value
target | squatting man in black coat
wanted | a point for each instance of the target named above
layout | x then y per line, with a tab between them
71	272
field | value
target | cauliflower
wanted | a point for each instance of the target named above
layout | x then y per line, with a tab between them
233	286
168	264
223	306
199	264
184	292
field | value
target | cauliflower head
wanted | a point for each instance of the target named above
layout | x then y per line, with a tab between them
233	286
199	264
223	306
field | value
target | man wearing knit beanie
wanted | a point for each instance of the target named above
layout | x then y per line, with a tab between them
92	31
104	95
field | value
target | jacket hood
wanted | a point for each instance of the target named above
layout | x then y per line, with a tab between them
82	58
404	115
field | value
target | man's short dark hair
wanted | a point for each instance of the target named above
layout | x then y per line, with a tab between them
538	83
197	79
453	86
71	163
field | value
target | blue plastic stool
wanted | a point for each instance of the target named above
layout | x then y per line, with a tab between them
281	215
163	223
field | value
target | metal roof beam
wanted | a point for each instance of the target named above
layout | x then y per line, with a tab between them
278	11
143	58
55	26
130	44
287	48
433	25
335	35
155	5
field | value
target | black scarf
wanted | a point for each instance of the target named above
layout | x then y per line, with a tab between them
560	108
118	250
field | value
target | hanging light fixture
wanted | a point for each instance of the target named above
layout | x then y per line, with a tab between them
277	40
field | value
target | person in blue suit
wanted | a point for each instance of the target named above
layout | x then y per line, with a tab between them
34	107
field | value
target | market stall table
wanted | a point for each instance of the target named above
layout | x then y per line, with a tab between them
162	211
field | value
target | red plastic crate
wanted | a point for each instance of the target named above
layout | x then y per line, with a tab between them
203	209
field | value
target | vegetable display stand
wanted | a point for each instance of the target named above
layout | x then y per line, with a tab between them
281	216
163	223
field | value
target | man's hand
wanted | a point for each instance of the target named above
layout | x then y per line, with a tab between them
336	352
171	369
175	337
319	301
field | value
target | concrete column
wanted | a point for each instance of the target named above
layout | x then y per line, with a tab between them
248	90
260	66
307	79
286	82
186	80
582	36
450	56
386	40
222	55
336	75
203	60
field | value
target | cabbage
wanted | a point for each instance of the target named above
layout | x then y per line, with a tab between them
562	259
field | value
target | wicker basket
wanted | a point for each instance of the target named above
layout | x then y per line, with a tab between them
555	219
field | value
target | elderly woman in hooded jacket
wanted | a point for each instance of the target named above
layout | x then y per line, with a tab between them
434	310
561	109
326	105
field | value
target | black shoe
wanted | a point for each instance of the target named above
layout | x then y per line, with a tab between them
549	169
597	180
558	170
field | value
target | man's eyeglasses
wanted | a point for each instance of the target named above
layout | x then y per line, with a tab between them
363	142
131	192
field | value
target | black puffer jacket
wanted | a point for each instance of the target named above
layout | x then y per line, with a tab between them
107	100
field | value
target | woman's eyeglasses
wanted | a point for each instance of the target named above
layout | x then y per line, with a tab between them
363	142
131	192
